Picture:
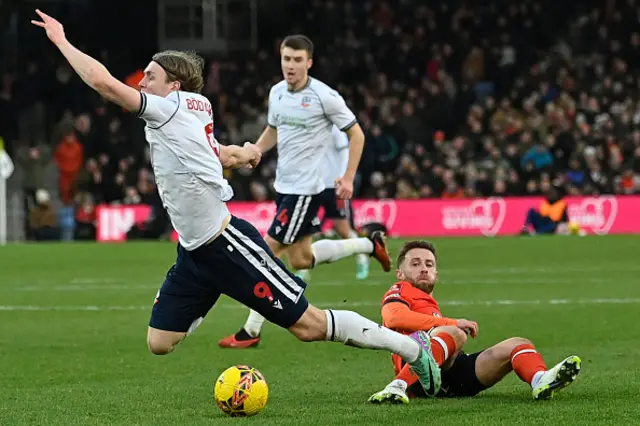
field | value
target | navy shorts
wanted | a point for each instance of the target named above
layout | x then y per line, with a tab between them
238	264
334	207
296	217
458	381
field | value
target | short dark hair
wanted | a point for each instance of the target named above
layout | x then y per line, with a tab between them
298	42
410	245
183	66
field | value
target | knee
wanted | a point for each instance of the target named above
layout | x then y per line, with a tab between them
159	345
301	260
342	228
459	336
275	246
503	351
514	342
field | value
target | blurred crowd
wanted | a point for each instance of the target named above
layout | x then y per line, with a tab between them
456	99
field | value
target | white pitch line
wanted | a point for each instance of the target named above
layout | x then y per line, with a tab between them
320	283
95	281
94	308
91	288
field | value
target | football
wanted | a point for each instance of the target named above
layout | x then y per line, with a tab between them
576	229
241	391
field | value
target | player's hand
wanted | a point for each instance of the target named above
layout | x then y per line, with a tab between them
54	29
255	152
469	327
344	188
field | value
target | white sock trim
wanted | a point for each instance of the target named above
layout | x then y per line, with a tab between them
195	324
524	351
253	326
331	326
443	345
536	378
398	384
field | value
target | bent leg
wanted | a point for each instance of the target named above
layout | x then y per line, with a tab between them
520	355
514	354
180	306
446	343
344	229
300	253
162	342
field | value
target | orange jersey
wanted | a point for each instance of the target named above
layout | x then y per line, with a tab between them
406	309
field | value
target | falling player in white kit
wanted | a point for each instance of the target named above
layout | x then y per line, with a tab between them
218	253
336	209
302	113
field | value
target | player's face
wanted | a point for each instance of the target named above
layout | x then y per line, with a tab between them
295	65
155	81
419	269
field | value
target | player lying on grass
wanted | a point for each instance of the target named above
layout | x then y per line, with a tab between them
409	306
217	252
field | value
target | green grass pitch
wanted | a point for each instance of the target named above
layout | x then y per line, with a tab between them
73	322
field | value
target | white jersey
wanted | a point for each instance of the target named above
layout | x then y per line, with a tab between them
304	120
188	172
336	158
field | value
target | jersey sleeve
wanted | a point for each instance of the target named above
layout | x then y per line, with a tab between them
402	318
340	139
395	294
156	110
337	111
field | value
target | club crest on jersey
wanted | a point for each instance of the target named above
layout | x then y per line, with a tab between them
306	102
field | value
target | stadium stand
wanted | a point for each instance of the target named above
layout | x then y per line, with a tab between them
457	100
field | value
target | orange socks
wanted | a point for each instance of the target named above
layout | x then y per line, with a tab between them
526	362
443	346
407	375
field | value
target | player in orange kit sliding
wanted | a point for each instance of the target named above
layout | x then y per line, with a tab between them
409	306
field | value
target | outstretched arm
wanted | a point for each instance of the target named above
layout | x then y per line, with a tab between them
398	316
90	70
234	157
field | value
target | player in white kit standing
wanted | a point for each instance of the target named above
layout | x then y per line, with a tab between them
218	253
336	209
302	114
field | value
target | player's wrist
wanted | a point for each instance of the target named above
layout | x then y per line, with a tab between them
63	44
261	147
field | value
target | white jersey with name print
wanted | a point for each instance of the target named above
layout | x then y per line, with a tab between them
186	164
304	120
336	158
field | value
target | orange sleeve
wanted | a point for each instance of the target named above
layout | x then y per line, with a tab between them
398	316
